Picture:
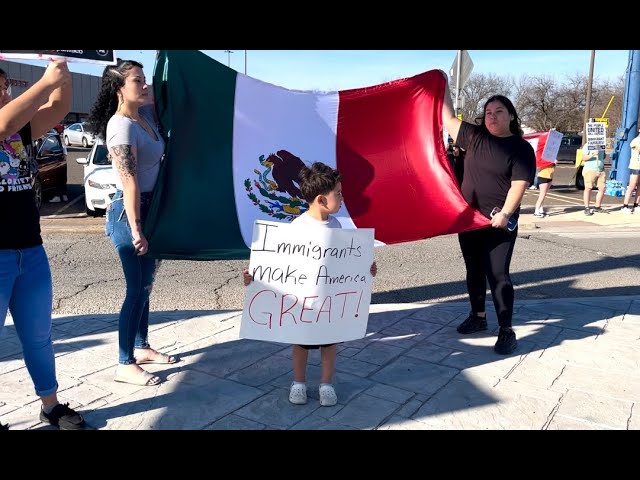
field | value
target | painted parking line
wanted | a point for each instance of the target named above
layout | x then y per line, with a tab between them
558	197
565	198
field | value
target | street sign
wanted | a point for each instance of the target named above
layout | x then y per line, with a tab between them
604	120
466	67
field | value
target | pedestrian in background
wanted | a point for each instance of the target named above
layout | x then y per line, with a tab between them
634	174
457	159
594	176
545	178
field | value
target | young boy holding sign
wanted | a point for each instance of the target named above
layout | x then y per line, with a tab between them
321	187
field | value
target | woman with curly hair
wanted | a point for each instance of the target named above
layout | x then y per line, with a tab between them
125	120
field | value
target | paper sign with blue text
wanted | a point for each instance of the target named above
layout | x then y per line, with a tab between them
311	285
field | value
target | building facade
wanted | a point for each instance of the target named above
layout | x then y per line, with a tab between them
85	87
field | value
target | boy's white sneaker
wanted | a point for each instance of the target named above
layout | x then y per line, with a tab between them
539	213
328	397
298	393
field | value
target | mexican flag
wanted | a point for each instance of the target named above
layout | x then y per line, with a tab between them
235	146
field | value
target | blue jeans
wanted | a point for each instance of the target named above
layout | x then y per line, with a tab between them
139	273
25	290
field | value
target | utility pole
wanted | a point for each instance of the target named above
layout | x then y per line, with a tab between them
629	125
228	52
587	108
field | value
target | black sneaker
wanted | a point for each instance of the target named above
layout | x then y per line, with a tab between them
588	212
507	342
472	324
63	417
4	427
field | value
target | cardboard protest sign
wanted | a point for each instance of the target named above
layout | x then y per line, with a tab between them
311	285
103	57
551	148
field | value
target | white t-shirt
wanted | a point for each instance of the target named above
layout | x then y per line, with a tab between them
125	131
306	219
634	163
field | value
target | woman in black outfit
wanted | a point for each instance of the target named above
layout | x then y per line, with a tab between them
499	165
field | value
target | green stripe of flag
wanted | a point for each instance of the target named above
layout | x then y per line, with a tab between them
197	115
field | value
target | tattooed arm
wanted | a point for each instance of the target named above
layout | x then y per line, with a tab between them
124	158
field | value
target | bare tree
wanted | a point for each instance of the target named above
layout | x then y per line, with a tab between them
609	91
544	102
537	102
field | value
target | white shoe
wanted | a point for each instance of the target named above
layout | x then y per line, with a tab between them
65	198
533	187
539	213
55	199
298	393
626	210
328	397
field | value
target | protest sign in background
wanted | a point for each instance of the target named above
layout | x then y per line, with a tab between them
311	285
104	57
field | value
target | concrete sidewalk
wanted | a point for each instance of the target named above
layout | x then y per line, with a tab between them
576	367
573	217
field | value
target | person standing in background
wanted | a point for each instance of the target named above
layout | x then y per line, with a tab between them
594	176
458	163
545	177
634	174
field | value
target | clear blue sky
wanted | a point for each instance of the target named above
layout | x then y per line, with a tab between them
327	70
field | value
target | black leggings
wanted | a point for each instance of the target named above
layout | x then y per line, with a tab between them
487	255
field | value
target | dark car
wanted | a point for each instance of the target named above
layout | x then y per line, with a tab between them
568	146
51	156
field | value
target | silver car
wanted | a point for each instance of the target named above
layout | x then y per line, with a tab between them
77	134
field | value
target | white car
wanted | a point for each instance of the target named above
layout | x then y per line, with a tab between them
99	179
77	134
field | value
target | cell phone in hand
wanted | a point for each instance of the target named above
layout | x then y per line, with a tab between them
511	224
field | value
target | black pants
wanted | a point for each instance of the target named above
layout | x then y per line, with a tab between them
487	255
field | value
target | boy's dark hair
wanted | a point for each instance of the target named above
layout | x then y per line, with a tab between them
319	179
